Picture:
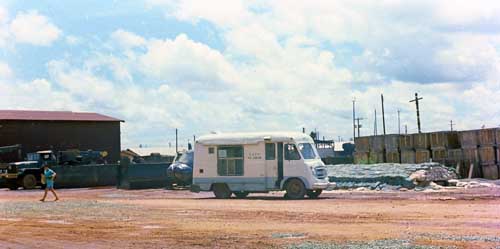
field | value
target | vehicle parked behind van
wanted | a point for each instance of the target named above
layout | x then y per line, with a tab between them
180	172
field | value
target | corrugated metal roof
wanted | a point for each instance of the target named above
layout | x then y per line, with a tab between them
55	116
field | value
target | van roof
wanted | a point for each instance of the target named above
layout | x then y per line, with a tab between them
252	138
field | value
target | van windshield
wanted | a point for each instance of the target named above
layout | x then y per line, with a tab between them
307	150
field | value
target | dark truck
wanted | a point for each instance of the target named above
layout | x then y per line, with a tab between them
27	174
7	154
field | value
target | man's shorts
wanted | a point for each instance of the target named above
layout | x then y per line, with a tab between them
49	184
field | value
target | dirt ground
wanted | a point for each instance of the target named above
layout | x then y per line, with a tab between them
111	218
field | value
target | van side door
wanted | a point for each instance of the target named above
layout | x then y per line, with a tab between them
292	157
272	155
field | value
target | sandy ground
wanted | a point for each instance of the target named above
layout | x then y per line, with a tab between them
111	218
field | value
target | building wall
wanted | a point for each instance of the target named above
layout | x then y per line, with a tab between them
62	135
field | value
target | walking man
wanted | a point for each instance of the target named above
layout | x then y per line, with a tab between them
49	176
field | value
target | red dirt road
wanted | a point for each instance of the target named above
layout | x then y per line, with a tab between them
111	218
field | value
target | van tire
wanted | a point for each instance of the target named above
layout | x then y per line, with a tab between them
295	189
221	191
313	194
29	181
241	194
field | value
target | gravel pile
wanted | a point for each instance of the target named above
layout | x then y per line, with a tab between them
388	175
475	183
466	238
376	244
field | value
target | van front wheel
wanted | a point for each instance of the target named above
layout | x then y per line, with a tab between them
221	191
295	189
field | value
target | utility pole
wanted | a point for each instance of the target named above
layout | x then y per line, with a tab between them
176	142
451	125
358	125
418	111
353	119
375	124
406	129
383	113
194	139
399	123
303	129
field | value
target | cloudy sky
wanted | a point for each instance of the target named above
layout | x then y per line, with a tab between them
204	66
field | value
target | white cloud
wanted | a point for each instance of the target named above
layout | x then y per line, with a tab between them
33	28
224	13
3	15
439	49
72	40
38	94
193	64
127	39
284	65
5	71
4	30
463	12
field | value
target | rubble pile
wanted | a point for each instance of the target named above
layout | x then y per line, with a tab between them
388	175
475	183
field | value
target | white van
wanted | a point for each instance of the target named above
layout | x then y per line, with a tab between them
243	163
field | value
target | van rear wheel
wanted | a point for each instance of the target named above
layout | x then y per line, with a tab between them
241	194
313	194
221	191
295	189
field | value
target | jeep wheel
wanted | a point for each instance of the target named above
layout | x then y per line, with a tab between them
12	186
29	182
295	189
313	194
221	191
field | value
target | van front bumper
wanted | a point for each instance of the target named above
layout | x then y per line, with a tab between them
324	185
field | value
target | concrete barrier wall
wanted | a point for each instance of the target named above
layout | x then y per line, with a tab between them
143	175
124	175
81	176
